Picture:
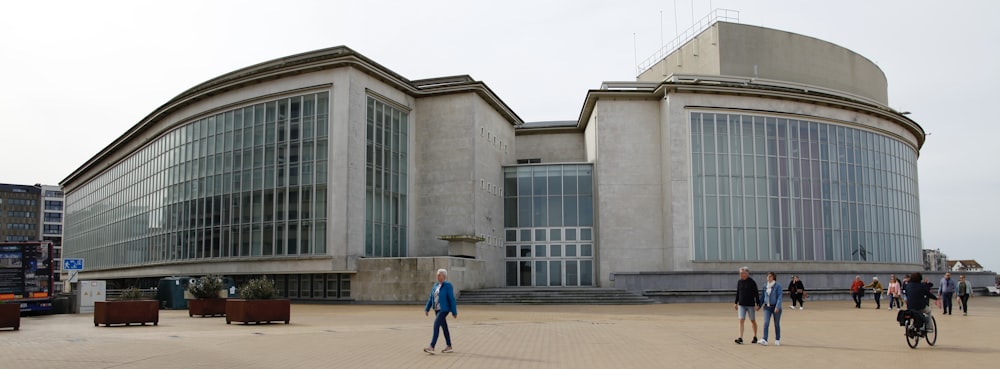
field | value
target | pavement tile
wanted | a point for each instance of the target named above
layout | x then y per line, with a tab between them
828	334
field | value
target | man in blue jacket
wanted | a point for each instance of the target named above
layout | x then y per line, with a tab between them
442	300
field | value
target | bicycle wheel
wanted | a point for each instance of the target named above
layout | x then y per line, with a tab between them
912	337
931	335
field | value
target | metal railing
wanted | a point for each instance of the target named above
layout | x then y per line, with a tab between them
717	15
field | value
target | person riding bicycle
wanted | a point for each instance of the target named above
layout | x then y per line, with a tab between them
918	295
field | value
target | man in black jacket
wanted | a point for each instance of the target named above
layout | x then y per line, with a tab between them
747	301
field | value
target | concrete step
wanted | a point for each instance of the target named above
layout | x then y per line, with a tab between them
552	296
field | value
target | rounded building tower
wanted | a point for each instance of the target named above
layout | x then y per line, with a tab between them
744	146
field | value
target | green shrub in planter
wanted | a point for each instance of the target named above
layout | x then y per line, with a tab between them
258	289
258	303
206	287
131	293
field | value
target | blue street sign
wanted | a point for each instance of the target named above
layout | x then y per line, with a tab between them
72	264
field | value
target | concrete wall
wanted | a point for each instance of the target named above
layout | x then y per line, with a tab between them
628	187
409	280
723	283
552	147
732	49
463	145
444	171
787	56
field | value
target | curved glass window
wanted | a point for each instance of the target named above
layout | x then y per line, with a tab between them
770	188
247	182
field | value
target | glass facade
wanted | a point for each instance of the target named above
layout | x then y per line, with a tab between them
772	188
549	225
385	180
243	183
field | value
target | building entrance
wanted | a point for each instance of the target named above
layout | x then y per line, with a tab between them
553	257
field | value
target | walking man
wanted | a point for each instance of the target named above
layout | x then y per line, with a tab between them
747	301
947	292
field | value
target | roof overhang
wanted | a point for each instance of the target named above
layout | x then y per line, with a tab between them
728	85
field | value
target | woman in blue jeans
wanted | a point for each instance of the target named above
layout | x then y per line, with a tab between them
770	297
442	300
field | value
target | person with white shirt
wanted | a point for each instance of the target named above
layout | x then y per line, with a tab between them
770	301
442	300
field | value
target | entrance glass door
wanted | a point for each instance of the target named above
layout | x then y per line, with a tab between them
546	263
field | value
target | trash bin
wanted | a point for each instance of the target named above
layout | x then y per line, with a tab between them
170	292
230	286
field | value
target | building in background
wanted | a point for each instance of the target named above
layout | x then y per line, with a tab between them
30	213
51	211
970	265
341	179
935	260
19	212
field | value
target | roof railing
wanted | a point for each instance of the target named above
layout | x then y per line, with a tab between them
717	15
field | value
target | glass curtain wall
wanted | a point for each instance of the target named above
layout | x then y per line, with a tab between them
549	225
773	188
385	180
243	183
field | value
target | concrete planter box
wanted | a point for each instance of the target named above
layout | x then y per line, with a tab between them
126	312
207	307
257	311
10	316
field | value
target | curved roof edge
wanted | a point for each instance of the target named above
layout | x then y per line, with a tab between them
745	86
306	62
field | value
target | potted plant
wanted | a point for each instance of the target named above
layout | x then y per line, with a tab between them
10	315
131	308
208	297
258	303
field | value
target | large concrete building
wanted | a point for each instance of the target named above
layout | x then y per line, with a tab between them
342	179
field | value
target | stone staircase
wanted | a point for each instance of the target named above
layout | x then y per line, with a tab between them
552	296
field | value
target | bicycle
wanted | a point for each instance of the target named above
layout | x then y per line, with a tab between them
914	333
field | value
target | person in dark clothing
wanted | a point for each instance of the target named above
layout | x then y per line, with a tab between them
918	296
747	301
797	291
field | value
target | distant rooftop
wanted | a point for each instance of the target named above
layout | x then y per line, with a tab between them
549	124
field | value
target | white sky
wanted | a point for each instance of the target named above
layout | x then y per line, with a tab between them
74	75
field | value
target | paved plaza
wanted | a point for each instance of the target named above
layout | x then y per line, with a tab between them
827	334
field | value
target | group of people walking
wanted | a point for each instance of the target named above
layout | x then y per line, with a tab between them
948	290
750	298
913	289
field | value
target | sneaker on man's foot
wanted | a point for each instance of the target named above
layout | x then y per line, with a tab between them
429	350
777	342
801	307
754	339
447	350
763	342
739	341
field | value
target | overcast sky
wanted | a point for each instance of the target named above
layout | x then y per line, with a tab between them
74	75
